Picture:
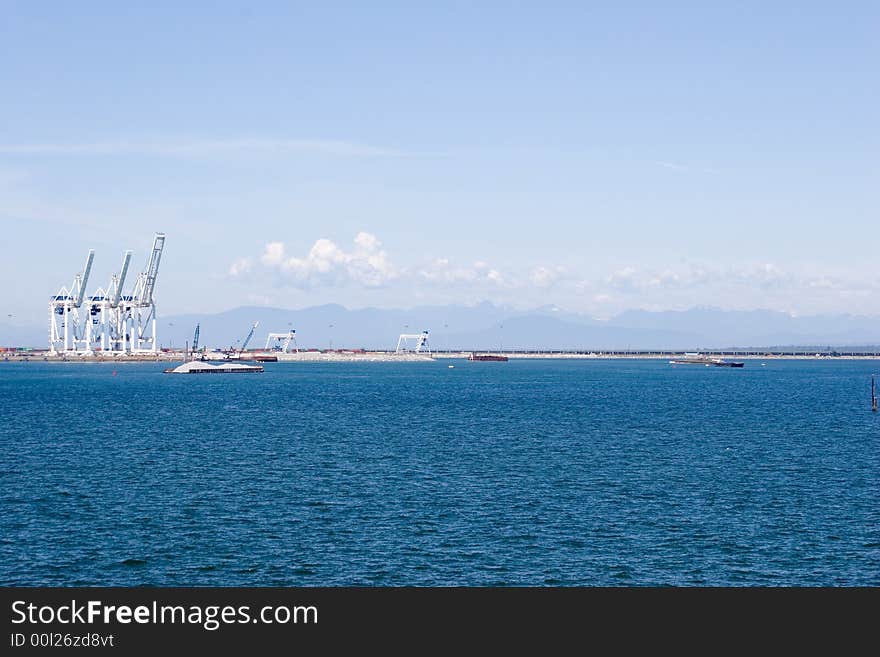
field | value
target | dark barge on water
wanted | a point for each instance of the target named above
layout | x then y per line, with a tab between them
489	357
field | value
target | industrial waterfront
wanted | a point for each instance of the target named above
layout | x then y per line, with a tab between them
112	324
343	355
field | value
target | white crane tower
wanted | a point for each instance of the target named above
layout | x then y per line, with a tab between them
138	310
115	322
105	329
73	332
421	342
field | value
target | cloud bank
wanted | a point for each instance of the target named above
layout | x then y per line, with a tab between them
365	265
327	264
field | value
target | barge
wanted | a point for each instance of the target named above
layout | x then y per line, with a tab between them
488	357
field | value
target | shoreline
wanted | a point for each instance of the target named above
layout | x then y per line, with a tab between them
390	356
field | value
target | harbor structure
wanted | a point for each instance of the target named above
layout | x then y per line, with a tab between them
105	330
283	342
421	343
111	322
69	325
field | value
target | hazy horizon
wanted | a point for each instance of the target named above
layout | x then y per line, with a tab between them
485	325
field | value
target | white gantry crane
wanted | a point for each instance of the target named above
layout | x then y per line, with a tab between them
421	340
105	329
282	342
113	322
138	311
68	332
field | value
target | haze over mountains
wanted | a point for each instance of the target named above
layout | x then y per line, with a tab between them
487	326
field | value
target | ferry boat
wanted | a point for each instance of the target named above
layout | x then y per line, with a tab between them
708	361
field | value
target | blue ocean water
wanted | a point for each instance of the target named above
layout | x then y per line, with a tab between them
527	472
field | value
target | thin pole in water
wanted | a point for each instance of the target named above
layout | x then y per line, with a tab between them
873	396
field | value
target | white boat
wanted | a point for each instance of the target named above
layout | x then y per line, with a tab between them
692	358
201	367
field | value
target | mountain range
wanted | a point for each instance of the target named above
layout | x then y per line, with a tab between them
487	326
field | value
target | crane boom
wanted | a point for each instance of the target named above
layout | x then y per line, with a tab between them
82	280
118	281
152	271
196	339
249	336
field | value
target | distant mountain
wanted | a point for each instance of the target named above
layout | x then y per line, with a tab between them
331	325
486	326
757	328
542	332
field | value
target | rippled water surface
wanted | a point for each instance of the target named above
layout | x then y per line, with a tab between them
527	472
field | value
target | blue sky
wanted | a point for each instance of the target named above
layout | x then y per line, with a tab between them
598	158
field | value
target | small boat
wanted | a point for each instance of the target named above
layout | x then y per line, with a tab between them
488	357
708	361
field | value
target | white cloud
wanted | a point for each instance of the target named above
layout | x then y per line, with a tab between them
625	278
240	266
366	264
690	276
273	254
767	274
367	242
545	276
322	258
442	271
665	279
